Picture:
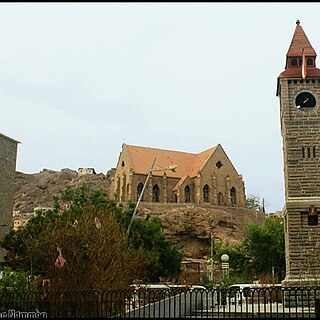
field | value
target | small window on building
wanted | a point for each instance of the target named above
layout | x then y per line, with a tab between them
122	163
233	197
155	193
294	62
219	164
309	62
187	194
303	153
139	190
206	193
313	216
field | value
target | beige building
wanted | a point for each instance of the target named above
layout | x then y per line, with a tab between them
208	177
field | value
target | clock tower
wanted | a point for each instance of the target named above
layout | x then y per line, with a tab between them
298	89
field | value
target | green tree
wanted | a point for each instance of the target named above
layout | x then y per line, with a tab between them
254	202
260	254
265	247
88	229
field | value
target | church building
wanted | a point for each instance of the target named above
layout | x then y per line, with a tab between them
208	177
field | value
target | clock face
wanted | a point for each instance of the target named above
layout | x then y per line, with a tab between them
305	101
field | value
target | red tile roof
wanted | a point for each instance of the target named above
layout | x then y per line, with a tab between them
188	164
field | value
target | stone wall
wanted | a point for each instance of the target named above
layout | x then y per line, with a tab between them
8	156
301	153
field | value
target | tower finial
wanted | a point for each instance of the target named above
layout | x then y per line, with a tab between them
298	22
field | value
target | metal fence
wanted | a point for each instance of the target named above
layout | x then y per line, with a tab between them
274	302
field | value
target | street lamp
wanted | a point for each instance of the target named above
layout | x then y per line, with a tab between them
171	168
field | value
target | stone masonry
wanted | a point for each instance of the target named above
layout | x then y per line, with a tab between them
8	156
300	129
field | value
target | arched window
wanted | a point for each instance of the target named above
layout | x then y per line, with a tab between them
206	193
220	199
187	193
294	62
309	62
139	190
233	197
155	193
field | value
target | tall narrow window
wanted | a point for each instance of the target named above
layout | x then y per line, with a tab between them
220	199
139	190
233	196
314	151
187	193
155	193
206	193
309	155
303	153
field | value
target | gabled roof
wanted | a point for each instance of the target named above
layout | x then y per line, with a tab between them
188	164
180	182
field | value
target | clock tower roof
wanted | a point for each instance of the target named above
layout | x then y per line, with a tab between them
300	46
299	42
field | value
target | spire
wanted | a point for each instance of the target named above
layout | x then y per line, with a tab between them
300	41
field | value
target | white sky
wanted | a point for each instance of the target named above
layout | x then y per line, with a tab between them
79	79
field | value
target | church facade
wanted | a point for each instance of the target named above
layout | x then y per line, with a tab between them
208	177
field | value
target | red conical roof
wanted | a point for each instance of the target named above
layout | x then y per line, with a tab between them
300	41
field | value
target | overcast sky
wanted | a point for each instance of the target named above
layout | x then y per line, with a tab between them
77	80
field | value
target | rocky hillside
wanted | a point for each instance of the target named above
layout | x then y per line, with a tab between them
38	189
188	226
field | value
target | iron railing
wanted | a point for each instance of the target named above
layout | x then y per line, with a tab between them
271	302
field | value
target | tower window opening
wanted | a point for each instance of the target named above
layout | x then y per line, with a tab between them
303	153
309	62
313	81
314	151
295	81
309	153
294	62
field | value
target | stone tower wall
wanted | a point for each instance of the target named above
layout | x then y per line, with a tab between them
300	132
